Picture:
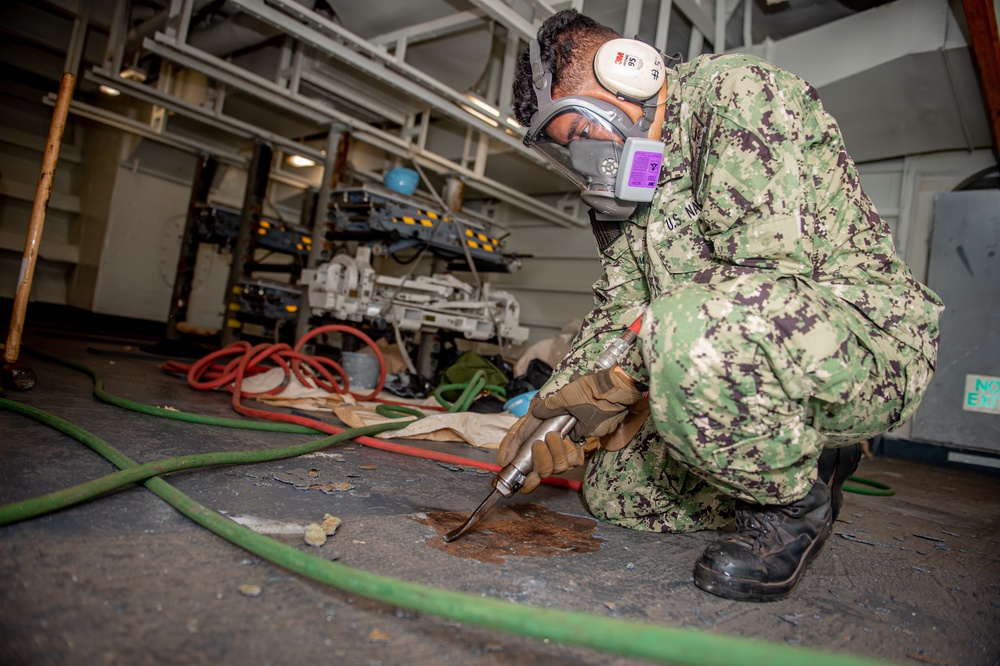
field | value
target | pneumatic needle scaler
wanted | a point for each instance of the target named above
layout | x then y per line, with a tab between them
510	479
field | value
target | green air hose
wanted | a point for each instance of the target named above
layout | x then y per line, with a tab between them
80	493
104	396
869	487
622	637
470	391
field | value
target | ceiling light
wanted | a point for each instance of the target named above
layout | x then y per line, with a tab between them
133	74
299	161
109	91
483	117
488	108
513	123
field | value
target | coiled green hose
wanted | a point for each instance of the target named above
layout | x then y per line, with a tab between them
470	391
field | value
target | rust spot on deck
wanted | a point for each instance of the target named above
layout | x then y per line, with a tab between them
526	530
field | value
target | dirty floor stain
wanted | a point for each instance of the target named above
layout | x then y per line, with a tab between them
526	530
313	479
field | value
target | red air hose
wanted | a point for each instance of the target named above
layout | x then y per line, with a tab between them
211	372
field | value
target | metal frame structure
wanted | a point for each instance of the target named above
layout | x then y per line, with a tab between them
311	39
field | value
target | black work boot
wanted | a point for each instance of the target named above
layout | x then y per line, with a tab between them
764	559
834	467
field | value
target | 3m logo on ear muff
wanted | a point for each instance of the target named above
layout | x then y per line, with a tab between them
630	69
628	60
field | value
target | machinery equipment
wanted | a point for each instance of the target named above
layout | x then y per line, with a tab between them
370	212
510	479
260	301
349	289
219	225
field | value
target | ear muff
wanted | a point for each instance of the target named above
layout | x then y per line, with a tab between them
629	69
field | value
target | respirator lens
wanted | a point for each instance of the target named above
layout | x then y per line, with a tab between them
582	145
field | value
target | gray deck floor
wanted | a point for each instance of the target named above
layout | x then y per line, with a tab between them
910	579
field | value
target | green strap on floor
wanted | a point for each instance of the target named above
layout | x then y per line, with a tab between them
627	638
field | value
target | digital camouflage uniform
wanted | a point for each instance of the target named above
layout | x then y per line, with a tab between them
778	318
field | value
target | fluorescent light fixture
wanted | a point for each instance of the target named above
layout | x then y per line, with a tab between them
488	108
513	123
299	161
109	91
483	117
133	74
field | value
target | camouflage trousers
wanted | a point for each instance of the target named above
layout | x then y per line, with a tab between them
749	380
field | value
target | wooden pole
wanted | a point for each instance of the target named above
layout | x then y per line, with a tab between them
41	204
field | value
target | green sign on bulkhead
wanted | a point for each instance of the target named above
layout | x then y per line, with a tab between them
982	394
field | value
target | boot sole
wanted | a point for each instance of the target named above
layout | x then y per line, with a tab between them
741	589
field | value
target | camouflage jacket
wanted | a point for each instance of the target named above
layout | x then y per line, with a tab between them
755	178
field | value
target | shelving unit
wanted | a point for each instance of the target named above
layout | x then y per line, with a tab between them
250	298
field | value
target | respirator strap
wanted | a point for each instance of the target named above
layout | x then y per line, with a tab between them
648	115
537	70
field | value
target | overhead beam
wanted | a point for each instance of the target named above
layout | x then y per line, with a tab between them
236	77
141	129
373	61
662	25
431	29
360	130
231	125
351	96
508	18
239	78
700	19
633	13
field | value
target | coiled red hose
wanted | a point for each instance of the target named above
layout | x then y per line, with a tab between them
245	360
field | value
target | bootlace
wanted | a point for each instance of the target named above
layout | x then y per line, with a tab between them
755	527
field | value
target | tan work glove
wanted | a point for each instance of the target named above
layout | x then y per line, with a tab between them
599	401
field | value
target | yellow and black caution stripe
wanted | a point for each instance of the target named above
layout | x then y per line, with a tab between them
482	241
406	219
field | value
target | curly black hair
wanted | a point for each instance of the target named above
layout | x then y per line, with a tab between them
568	41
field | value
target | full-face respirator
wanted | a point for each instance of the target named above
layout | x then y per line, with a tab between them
593	142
